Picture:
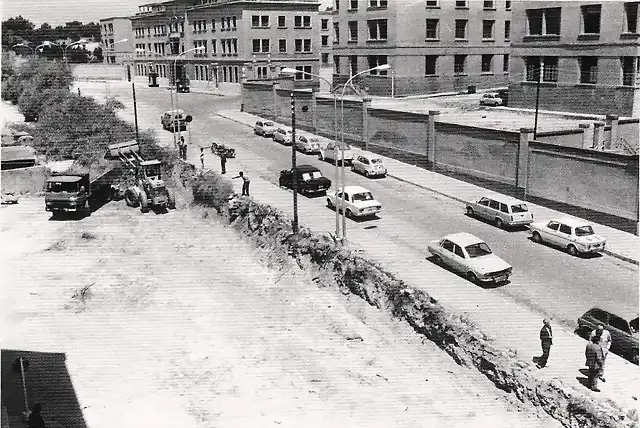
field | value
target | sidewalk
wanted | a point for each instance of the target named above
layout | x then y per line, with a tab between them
622	245
198	87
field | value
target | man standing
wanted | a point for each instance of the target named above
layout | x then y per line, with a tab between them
223	162
35	418
593	353
546	340
183	146
202	157
245	183
604	339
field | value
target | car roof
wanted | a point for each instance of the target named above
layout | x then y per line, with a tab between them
370	155
150	162
491	93
64	178
175	111
463	239
571	221
505	199
613	309
306	168
354	189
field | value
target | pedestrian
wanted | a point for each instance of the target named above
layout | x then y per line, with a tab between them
245	183
546	340
223	162
593	354
180	149
202	157
183	144
604	340
35	418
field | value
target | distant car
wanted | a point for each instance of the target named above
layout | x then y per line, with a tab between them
624	331
264	128
471	257
283	136
501	210
328	153
574	235
309	179
369	164
358	201
9	198
174	120
307	144
490	99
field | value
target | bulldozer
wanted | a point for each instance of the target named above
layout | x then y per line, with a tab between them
150	190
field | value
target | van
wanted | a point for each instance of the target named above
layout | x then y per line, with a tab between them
174	120
501	210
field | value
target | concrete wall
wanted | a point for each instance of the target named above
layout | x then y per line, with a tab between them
24	180
398	130
629	130
603	182
568	138
482	152
258	99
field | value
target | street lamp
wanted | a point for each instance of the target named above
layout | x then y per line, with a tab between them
377	68
291	71
175	65
47	44
24	45
64	52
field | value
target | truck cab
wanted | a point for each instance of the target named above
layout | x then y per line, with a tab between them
68	193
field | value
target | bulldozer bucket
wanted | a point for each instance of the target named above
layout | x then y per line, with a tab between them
127	149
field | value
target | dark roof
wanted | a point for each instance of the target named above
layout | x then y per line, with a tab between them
17	153
306	168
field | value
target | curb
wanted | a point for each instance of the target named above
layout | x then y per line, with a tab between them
455	198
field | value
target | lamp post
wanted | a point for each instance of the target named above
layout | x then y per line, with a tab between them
24	45
64	51
291	71
175	66
342	202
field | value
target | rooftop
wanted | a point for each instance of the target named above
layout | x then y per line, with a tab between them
463	239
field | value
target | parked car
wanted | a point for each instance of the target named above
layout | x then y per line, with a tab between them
369	164
471	257
328	153
309	179
358	201
308	144
501	210
283	136
624	331
8	198
490	99
575	235
264	128
174	120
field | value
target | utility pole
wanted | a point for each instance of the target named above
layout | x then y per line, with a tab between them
535	125
293	164
135	105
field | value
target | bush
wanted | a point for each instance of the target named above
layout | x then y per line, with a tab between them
212	190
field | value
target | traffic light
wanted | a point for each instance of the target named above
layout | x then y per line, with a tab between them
129	73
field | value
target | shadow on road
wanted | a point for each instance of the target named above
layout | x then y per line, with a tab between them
484	285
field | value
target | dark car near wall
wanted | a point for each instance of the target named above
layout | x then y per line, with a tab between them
309	180
624	331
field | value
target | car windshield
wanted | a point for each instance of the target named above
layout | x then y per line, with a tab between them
375	160
364	196
311	175
478	250
268	124
62	186
584	231
520	208
153	171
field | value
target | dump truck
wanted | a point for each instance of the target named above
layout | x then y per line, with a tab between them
75	192
150	190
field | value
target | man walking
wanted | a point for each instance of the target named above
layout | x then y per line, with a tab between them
593	353
223	162
604	340
183	146
546	340
245	183
202	157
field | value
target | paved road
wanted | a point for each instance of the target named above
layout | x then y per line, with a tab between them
545	279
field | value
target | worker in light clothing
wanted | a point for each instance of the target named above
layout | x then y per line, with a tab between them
245	183
546	340
604	339
202	157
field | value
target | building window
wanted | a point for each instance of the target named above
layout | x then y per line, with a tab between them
325	58
543	21
461	28
458	63
259	21
336	4
507	5
505	63
213	25
325	40
353	31
324	24
336	64
378	3
628	70
302	21
213	47
260	45
487	60
550	69
262	73
303	45
461	4
432	3
377	29
488	4
353	64
631	14
376	60
282	45
432	29
353	4
588	69
282	21
591	19
303	72
533	68
235	21
507	30
336	32
487	29
430	62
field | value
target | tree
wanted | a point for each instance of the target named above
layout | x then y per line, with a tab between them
16	30
97	53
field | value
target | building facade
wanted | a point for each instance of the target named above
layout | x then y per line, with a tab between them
225	41
114	31
585	55
431	45
326	38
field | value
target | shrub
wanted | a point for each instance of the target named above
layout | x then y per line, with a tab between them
212	190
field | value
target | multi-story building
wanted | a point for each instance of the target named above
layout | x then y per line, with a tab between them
584	53
431	45
117	39
226	40
326	38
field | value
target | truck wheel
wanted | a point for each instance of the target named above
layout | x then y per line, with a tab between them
131	197
144	202
171	199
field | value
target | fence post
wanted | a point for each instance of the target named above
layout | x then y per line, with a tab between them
587	135
612	142
274	108
598	128
431	137
522	167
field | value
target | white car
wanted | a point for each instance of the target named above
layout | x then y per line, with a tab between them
470	256
574	235
283	136
264	128
308	144
490	99
9	198
369	164
328	153
358	201
501	210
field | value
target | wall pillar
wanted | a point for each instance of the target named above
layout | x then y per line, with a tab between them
314	111
522	167
274	92
587	135
366	103
598	129
431	136
612	141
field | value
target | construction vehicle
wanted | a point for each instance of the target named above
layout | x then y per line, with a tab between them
150	191
75	192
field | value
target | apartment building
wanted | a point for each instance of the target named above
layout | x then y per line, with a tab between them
431	45
326	38
117	40
224	41
584	54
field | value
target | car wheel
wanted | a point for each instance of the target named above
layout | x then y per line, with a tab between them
470	211
472	277
572	250
536	237
499	223
349	214
437	259
366	173
353	168
329	204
